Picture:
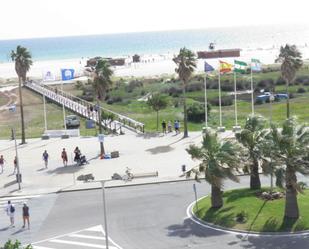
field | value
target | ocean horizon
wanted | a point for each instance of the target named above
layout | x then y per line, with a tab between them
254	38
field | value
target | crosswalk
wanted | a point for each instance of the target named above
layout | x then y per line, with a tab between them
93	237
17	201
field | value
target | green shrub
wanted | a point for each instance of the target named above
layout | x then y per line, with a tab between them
301	90
225	101
196	112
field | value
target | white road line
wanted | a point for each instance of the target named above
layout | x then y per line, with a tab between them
41	247
80	243
19	197
86	236
95	229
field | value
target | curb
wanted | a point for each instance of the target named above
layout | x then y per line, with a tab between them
203	223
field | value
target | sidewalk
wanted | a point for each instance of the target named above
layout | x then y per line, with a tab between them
141	152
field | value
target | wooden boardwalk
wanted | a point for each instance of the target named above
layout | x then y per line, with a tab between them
115	122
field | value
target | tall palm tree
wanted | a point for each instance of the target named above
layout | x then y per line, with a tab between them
291	150
23	62
101	83
291	60
157	102
219	160
186	64
252	138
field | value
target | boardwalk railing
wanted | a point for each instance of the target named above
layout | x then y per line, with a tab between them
113	121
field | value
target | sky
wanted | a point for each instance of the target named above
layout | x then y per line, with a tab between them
52	18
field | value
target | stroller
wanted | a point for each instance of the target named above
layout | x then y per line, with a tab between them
81	160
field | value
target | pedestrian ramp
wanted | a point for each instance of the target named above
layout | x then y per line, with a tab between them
17	201
93	237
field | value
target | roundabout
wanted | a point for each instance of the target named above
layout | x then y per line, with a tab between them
245	212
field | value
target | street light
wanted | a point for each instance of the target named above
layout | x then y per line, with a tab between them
12	109
271	99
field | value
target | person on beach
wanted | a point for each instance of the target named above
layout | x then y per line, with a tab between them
10	211
176	126
26	216
64	157
45	157
2	163
169	126
15	165
164	127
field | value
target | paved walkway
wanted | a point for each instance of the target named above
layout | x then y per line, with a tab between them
141	152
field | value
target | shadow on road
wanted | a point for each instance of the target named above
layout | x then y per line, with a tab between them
70	169
8	184
189	228
160	149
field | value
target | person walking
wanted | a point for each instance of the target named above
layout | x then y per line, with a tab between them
15	165
64	157
164	127
77	155
10	211
26	216
45	157
169	126
2	163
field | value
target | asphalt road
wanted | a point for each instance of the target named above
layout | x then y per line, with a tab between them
142	217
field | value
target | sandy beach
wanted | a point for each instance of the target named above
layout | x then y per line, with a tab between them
150	65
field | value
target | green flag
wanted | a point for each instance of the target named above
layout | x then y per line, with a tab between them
240	66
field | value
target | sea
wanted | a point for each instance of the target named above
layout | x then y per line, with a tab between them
253	39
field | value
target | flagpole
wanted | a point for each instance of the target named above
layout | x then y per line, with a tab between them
206	114
235	100
220	114
252	100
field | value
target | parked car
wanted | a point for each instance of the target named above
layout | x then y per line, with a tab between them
72	122
265	97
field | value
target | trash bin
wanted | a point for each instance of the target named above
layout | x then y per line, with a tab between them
18	178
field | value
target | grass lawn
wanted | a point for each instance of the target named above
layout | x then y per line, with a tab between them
262	216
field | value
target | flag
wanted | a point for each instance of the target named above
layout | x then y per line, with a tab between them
207	67
67	74
256	65
240	66
225	67
49	76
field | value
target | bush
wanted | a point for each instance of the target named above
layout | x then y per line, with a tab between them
173	91
225	101
195	87
88	98
301	90
227	87
132	85
196	112
302	79
280	81
241	217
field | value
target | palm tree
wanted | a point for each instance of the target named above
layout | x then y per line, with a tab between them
219	160
186	64
252	138
101	84
291	150
23	62
157	102
290	57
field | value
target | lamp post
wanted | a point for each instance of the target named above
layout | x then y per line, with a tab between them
271	99
12	109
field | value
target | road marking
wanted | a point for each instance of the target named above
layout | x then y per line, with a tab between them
41	247
85	236
78	234
17	200
80	243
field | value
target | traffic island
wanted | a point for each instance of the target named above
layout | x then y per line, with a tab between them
246	210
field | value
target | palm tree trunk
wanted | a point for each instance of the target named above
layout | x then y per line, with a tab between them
255	182
102	150
185	116
23	135
291	205
216	197
287	101
157	120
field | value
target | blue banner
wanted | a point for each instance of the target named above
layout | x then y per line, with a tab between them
207	67
67	74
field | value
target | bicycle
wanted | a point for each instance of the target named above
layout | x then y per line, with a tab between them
128	175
